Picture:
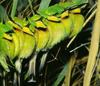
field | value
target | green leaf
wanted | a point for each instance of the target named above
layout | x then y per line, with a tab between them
13	12
44	4
3	14
21	5
60	76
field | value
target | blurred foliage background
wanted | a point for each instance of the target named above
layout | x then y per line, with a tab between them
66	62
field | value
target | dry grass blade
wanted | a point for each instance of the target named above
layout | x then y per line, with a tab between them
91	9
70	65
77	82
98	67
44	4
93	48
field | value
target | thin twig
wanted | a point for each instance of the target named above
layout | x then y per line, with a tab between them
89	18
79	47
91	9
